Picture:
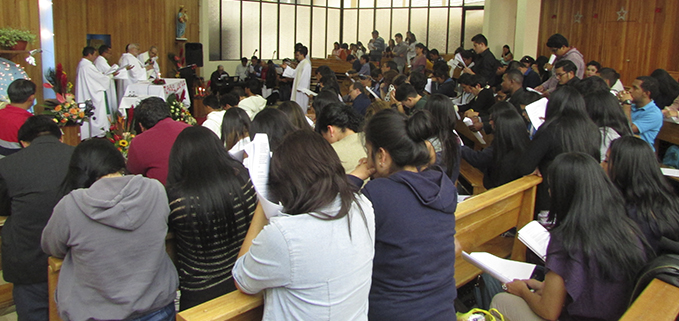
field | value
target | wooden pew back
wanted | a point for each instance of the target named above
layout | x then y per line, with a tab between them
659	301
336	65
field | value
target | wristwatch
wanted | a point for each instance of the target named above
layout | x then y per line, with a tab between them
627	102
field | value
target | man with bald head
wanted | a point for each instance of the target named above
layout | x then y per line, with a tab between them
150	61
135	74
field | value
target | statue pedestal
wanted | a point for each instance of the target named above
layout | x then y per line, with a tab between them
71	135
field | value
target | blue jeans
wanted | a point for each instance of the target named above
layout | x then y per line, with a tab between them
31	301
167	313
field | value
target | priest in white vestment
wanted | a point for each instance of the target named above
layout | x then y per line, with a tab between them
101	62
150	61
302	77
91	84
134	75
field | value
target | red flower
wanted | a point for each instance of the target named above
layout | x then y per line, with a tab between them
117	137
111	140
48	85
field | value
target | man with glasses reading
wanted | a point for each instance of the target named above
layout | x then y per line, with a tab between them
565	71
559	46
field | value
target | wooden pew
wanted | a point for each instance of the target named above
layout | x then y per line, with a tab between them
658	302
473	176
338	66
480	221
464	130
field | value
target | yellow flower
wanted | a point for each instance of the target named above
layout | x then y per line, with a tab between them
73	111
57	108
55	120
122	143
81	114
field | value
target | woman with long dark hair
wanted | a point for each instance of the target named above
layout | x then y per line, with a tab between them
272	122
295	114
668	87
324	98
110	230
339	124
414	265
235	129
212	202
314	260
651	202
604	109
567	128
594	253
510	139
445	142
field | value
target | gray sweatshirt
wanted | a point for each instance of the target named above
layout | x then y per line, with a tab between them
112	239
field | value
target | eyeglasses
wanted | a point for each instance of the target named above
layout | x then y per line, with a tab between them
561	74
553	49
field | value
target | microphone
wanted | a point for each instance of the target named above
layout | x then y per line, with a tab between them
254	52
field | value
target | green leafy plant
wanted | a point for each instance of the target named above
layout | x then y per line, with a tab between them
10	36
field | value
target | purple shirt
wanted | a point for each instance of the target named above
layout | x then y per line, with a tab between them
590	297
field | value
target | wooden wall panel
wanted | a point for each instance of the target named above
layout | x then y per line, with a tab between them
24	14
147	22
637	46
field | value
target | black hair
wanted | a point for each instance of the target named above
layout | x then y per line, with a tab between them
421	46
330	83
351	58
440	73
650	85
315	185
295	114
527	59
208	181
254	58
398	35
592	84
557	41
36	126
150	111
480	38
254	86
302	50
526	98
103	49
324	70
443	121
515	75
392	65
419	81
668	87
344	46
91	160
633	167
271	80
567	66
88	51
20	90
235	126
566	118
404	91
365	57
402	137
590	218
375	73
238	91
272	122
466	54
212	101
604	109
609	74
509	50
399	80
229	99
434	52
324	98
594	63
340	115
509	135
358	85
243	59
473	80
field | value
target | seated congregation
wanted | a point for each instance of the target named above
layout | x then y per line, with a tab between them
368	174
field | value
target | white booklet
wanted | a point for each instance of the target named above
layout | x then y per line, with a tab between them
307	91
536	238
536	112
671	172
503	270
258	166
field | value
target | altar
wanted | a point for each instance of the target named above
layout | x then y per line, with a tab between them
144	89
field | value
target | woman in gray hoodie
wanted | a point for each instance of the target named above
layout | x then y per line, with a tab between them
110	229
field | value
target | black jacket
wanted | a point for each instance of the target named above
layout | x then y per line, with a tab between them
29	189
486	65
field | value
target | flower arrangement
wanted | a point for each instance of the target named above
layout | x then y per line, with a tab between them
9	37
121	134
158	81
178	111
64	109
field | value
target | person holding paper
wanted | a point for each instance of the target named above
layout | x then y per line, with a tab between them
101	62
565	71
651	201
91	84
235	129
414	266
134	74
445	142
212	202
485	65
594	253
302	77
479	106
567	128
559	46
339	124
313	260
150	61
359	97
604	110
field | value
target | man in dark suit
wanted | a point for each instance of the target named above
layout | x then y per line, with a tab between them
29	189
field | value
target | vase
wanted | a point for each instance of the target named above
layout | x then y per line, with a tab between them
20	46
71	135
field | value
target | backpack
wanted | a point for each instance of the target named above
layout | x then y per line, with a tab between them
665	267
672	156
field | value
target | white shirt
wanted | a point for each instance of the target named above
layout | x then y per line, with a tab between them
302	80
252	105
213	122
111	94
132	76
242	72
310	268
153	72
90	84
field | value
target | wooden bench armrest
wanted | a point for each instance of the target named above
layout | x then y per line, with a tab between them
472	175
658	302
225	307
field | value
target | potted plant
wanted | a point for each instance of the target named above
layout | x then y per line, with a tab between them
15	39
